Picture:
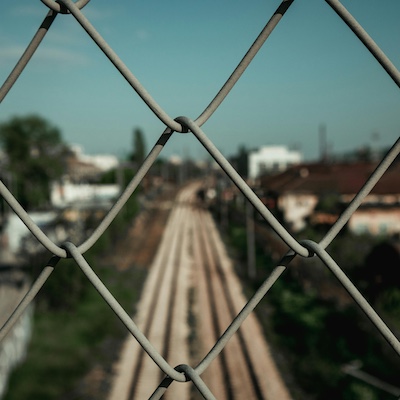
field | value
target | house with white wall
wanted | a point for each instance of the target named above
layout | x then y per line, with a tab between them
79	184
272	159
297	196
67	193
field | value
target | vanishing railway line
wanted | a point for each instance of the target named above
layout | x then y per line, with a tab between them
220	302
191	259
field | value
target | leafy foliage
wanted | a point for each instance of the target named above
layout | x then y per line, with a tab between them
312	326
74	328
34	151
139	147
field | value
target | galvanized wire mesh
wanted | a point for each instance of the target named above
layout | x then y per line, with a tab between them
304	248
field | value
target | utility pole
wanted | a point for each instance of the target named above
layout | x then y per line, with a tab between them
323	146
251	247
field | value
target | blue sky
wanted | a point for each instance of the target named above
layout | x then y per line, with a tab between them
311	71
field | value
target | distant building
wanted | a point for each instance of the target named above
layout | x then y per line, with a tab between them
79	184
271	159
104	162
317	193
82	167
67	193
78	171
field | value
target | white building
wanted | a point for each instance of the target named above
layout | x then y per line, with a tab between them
67	193
272	159
77	186
104	162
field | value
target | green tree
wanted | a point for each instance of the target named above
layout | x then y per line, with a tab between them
35	151
139	147
240	161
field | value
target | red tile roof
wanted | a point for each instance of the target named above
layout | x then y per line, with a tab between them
342	178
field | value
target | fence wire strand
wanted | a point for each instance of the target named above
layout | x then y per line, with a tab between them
305	248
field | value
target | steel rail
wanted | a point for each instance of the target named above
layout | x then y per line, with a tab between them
242	315
206	267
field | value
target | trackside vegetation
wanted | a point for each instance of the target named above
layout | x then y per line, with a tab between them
76	336
314	327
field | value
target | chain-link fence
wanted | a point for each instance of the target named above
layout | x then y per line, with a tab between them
305	248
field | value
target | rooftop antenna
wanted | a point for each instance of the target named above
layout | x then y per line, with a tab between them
323	147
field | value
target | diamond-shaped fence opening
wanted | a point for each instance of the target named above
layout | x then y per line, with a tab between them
305	248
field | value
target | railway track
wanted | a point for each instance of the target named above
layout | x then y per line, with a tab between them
192	275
